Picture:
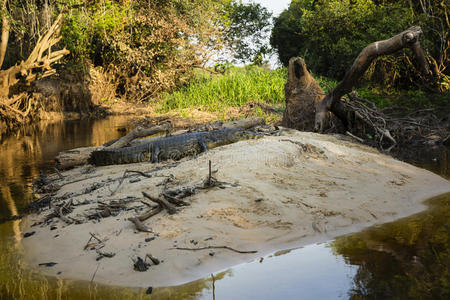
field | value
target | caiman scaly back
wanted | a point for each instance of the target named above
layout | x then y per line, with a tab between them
172	147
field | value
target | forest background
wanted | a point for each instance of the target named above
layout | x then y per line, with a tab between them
175	56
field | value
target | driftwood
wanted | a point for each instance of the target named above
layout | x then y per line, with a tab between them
15	108
138	220
74	157
80	156
332	101
244	123
162	202
137	133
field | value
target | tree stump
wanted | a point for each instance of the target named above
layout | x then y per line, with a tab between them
302	93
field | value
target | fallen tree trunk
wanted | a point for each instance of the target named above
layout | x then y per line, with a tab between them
332	101
79	156
309	108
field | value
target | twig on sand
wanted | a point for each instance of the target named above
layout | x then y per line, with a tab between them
99	240
58	173
125	175
93	276
137	221
162	202
81	179
213	286
59	211
214	247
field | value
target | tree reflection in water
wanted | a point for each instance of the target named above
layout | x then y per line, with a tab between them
406	259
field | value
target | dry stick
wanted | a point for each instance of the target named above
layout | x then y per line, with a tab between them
213	286
93	276
123	178
214	247
162	202
59	211
354	136
138	220
153	259
138	132
82	179
59	173
175	200
87	244
93	236
139	225
209	174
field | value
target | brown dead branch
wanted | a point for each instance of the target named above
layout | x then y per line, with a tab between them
37	66
59	211
215	247
137	133
332	101
162	202
137	221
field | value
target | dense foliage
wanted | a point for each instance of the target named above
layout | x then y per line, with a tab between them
329	34
145	46
148	46
247	30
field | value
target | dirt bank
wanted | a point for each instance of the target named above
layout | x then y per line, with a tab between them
283	191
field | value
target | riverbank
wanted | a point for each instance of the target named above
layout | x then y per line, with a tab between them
282	191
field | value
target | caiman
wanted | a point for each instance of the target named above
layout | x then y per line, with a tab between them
172	147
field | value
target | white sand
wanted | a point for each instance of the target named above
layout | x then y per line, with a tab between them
309	193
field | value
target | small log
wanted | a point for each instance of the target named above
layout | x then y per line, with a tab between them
138	132
244	123
80	156
74	157
137	221
139	225
162	202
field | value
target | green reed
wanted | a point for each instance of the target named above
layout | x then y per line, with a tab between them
236	87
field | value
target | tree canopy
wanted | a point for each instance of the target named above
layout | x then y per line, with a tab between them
330	33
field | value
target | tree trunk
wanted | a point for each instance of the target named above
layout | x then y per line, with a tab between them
302	94
38	64
408	38
5	33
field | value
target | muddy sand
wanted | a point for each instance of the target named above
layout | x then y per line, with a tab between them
281	192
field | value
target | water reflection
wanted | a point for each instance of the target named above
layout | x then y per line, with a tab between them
406	259
409	258
27	153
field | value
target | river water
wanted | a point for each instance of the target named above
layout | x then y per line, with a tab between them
406	259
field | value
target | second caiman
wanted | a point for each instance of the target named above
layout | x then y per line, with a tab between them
172	147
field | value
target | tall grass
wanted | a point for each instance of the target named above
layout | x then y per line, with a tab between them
237	87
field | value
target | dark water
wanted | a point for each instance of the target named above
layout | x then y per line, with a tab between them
406	259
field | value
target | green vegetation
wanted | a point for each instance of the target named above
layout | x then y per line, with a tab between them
329	34
247	30
237	87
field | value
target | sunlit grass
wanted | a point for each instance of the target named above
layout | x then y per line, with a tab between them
235	88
